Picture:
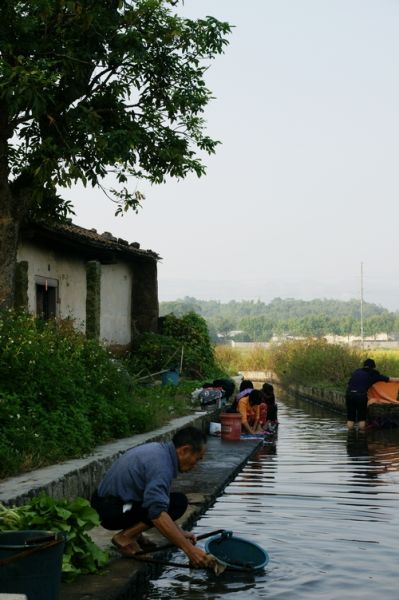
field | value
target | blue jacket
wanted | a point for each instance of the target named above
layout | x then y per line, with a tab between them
143	474
362	379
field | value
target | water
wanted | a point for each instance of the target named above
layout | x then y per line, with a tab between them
323	502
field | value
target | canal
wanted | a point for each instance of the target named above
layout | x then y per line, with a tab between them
323	502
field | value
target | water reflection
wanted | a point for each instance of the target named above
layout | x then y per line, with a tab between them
358	450
373	453
323	502
193	585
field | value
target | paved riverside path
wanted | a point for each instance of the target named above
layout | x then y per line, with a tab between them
222	461
80	476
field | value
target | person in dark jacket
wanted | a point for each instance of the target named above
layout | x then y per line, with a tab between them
134	494
356	392
272	409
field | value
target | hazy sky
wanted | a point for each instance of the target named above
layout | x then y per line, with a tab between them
305	185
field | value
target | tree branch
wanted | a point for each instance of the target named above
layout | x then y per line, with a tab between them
72	58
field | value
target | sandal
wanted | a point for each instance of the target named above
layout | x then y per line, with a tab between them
127	551
146	545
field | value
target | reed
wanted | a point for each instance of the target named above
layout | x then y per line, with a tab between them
311	362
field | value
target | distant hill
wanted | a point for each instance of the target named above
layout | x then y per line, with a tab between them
256	321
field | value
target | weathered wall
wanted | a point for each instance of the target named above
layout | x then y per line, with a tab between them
69	272
116	286
145	307
128	300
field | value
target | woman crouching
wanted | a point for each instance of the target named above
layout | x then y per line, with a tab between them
249	409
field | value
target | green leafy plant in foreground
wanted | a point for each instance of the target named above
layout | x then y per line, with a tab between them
74	519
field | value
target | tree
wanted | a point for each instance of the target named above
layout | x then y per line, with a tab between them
90	87
223	326
179	307
260	328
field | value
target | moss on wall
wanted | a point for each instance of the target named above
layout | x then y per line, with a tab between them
145	306
93	299
21	285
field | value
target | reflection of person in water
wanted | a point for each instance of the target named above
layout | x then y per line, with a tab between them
375	452
357	445
358	451
356	393
384	447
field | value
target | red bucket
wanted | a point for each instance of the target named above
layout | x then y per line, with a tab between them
230	426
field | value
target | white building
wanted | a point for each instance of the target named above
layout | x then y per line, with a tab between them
107	287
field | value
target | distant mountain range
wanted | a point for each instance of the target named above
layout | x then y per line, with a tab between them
251	320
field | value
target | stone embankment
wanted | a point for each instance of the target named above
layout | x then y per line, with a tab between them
332	399
122	577
79	477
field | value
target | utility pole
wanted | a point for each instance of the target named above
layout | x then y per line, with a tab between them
361	305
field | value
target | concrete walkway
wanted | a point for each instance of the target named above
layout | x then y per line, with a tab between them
122	577
80	476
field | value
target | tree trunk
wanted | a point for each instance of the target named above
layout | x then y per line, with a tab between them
11	211
9	233
9	225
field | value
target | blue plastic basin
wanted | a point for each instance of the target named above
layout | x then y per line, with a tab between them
171	377
237	553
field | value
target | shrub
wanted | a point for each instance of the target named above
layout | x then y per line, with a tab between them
387	362
313	362
307	362
61	395
232	360
229	359
154	352
258	359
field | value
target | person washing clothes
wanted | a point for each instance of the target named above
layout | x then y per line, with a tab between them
134	494
249	408
356	392
270	400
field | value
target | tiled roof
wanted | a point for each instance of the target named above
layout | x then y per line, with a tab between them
91	238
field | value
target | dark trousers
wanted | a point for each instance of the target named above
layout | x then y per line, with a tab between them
356	405
110	511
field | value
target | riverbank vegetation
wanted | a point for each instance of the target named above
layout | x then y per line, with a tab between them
62	394
180	340
259	322
311	362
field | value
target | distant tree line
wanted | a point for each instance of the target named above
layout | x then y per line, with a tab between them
251	320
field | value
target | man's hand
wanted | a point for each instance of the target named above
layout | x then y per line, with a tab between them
198	558
182	539
189	535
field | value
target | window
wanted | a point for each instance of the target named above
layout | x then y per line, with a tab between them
46	298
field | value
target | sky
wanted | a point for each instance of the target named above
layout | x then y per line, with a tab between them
304	187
